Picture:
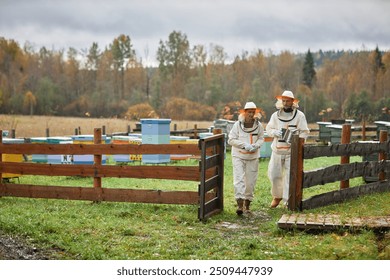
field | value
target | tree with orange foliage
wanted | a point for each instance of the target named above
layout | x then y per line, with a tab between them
140	111
29	102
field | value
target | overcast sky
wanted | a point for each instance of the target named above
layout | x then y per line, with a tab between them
236	25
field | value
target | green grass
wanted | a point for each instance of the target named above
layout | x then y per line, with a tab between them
86	230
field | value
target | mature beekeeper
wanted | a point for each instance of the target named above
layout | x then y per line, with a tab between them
286	121
246	138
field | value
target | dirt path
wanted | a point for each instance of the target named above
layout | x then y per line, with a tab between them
13	248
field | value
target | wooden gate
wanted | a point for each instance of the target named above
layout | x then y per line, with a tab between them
209	173
209	206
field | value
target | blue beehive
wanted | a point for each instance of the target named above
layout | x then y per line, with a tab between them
123	158
265	149
203	135
55	159
39	157
86	139
155	131
59	159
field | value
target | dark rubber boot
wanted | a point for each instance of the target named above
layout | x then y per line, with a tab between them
240	206
247	203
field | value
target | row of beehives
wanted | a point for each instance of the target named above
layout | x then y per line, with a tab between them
331	132
153	131
88	159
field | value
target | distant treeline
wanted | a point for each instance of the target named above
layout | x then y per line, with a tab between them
190	82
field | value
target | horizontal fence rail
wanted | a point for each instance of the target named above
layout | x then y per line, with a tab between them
188	173
209	172
353	149
108	149
341	172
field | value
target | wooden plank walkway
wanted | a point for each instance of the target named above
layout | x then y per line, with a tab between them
328	222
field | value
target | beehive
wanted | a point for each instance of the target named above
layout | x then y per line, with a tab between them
86	139
126	140
12	157
155	131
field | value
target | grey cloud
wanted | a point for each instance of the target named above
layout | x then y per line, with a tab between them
233	24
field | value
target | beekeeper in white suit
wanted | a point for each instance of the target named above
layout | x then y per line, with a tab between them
246	138
288	117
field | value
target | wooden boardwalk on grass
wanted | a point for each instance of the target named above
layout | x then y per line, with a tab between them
327	222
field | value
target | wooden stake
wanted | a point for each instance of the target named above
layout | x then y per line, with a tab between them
382	156
345	139
1	159
97	181
296	174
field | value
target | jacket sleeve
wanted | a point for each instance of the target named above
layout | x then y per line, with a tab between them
272	127
260	137
234	137
303	127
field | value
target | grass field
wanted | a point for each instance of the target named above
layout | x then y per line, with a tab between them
83	230
35	126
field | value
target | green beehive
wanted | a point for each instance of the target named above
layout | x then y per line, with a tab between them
324	131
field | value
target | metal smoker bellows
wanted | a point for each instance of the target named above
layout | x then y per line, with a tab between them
289	132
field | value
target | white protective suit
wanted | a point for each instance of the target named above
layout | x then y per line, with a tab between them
245	163
279	165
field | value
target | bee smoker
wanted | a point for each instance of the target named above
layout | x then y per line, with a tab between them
288	133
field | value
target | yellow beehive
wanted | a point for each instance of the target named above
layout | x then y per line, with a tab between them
12	157
179	139
136	142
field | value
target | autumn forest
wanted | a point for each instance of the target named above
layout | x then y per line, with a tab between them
189	82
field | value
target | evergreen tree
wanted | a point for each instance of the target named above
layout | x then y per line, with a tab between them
174	55
122	52
378	64
309	72
378	68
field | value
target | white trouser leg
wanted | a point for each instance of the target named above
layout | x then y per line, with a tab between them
252	170
275	175
244	177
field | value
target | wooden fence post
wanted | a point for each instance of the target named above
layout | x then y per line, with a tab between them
382	156
345	139
364	129
296	174
217	131
1	159
195	131
97	181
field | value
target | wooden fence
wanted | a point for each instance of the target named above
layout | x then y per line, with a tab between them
209	173
300	179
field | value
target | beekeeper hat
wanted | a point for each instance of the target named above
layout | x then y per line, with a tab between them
289	94
250	105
